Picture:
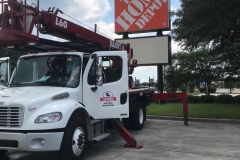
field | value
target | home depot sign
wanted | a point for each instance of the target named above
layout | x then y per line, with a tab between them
141	15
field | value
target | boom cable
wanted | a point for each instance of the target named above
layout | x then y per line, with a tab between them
85	24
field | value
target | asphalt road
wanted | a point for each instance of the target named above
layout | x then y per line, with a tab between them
162	140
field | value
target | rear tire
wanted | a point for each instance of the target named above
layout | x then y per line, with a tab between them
138	117
3	152
74	141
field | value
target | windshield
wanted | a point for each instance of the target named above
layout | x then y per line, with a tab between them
53	70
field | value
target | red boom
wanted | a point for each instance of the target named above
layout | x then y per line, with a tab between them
18	20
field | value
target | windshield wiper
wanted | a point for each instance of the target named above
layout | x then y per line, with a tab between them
15	85
49	83
41	83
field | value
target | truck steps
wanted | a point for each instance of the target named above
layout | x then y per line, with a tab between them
98	133
100	137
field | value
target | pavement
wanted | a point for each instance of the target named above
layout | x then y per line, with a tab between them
162	140
224	90
233	121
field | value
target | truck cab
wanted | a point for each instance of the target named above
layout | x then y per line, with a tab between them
52	99
60	101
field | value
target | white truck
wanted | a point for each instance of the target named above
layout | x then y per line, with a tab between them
62	95
57	101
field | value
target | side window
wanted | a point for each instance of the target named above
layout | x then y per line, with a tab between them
112	70
3	73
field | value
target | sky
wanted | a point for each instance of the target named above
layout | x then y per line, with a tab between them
101	12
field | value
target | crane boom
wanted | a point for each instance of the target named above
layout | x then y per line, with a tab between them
17	25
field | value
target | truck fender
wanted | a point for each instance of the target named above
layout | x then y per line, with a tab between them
87	121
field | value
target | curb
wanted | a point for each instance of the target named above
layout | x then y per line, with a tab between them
194	119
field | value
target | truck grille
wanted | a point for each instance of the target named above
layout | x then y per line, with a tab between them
8	143
11	116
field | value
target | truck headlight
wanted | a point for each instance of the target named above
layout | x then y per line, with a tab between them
49	118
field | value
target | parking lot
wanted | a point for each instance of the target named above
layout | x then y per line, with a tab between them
163	140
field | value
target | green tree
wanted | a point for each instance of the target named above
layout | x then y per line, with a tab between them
144	84
230	82
13	54
188	69
213	25
204	23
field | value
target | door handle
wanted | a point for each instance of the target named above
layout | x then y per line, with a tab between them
123	98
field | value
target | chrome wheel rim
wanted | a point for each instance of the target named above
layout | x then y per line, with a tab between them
140	115
78	141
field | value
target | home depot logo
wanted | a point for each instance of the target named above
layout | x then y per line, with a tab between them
108	97
139	15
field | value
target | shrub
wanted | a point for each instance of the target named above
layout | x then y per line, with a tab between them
201	90
223	99
193	99
213	89
175	101
207	99
236	99
196	91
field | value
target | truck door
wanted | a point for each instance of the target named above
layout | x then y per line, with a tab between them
109	99
4	71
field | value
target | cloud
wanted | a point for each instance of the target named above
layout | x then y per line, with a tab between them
173	9
140	69
91	12
88	11
106	29
143	73
175	47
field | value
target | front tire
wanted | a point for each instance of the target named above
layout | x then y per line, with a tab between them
3	152
74	141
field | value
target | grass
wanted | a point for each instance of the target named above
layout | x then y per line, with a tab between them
217	111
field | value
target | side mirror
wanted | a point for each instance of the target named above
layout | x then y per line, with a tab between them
99	77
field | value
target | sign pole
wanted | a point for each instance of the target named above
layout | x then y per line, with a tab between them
160	80
125	35
160	71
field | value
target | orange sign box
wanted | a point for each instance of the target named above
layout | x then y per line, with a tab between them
141	15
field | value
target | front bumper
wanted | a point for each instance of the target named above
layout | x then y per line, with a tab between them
31	141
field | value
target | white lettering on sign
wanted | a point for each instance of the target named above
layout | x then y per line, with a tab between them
61	23
116	45
138	12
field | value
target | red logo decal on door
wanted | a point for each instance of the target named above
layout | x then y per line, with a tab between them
108	97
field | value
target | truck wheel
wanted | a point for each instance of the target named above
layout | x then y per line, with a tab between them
137	118
74	141
3	152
